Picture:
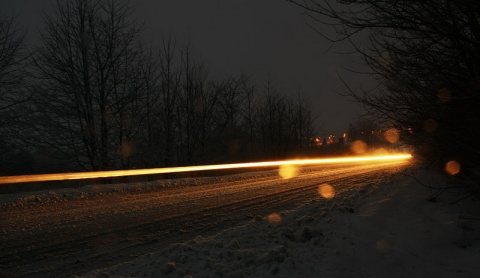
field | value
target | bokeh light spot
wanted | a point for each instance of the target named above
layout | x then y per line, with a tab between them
444	95
125	150
382	246
391	135
380	151
358	147
384	58
288	171
452	167
274	219
326	191
430	125
475	82
233	147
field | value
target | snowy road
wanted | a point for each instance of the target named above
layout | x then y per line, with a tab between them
63	236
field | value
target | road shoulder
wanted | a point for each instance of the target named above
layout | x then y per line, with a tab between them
382	231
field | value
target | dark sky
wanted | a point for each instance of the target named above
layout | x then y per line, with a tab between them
260	37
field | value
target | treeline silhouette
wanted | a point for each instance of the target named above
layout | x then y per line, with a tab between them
426	57
92	95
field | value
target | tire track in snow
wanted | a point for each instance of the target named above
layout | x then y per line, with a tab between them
76	236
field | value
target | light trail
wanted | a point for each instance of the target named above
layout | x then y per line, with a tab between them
154	171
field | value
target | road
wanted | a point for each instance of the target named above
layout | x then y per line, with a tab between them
72	237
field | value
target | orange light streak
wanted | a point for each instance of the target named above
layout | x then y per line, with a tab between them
137	172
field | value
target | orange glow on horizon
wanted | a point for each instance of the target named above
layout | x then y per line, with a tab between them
154	171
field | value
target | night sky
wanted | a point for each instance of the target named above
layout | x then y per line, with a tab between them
267	37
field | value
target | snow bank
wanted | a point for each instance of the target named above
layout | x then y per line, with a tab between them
387	231
99	190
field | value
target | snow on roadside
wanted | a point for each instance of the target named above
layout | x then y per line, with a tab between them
387	231
99	190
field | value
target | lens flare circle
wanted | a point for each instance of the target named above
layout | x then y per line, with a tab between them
358	147
326	191
288	171
274	219
452	167
392	135
430	125
444	95
382	246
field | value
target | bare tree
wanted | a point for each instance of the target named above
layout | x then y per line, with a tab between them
170	86
302	121
426	55
13	57
13	93
272	121
249	113
150	132
229	120
196	109
87	101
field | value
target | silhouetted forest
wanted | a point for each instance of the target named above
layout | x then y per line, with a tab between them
426	58
94	95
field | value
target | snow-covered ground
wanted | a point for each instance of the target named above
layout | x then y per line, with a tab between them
396	230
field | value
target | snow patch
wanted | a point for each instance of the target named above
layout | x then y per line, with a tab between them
99	190
387	231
